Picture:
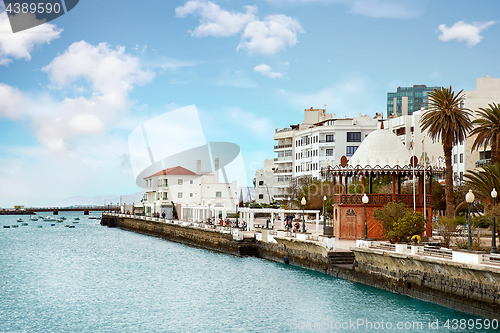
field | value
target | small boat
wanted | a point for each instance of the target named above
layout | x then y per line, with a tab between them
59	220
63	218
67	225
76	222
33	218
53	224
77	219
24	223
6	226
40	226
20	220
71	226
15	226
91	217
48	219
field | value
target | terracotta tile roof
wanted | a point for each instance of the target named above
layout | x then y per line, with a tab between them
177	171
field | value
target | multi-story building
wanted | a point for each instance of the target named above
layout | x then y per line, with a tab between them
186	189
321	140
407	100
264	183
487	91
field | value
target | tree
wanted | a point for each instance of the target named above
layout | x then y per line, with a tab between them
392	212
446	120
482	181
446	228
487	128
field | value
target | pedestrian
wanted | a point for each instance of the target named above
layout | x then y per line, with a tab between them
244	226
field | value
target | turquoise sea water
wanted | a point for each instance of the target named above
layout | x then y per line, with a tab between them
96	279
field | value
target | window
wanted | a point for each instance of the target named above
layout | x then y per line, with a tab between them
179	181
165	196
190	195
218	194
350	150
461	176
329	138
461	158
401	131
166	182
329	152
261	196
191	182
261	183
353	136
179	195
455	158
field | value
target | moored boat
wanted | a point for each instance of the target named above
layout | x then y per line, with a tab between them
20	220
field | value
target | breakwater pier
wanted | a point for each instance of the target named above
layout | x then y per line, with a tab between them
468	282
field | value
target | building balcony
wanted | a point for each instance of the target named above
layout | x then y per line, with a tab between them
482	162
283	159
283	171
327	141
283	146
381	199
163	186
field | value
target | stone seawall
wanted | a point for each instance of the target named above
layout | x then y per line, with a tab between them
206	238
468	288
473	289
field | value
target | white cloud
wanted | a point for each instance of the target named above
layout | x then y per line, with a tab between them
397	9
11	102
20	45
270	36
464	32
266	70
215	21
109	74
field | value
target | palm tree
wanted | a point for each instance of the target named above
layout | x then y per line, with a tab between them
482	181
487	128
446	120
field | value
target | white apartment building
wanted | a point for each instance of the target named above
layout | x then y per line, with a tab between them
321	140
487	91
188	191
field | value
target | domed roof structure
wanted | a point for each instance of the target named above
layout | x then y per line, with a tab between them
383	148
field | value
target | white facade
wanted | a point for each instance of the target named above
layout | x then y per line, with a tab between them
187	190
487	91
321	140
264	183
407	128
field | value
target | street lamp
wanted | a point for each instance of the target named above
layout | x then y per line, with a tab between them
324	213
303	202
289	203
237	215
209	212
494	237
365	200
469	197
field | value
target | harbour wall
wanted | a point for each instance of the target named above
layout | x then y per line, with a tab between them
469	288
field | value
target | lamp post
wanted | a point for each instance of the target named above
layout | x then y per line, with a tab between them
324	213
237	215
209	212
469	197
494	237
365	200
303	202
289	203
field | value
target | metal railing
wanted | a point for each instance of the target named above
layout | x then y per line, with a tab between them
283	146
283	171
382	246
435	252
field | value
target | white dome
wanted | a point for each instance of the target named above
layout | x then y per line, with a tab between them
381	147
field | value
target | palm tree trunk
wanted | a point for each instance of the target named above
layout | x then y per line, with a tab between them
495	158
448	178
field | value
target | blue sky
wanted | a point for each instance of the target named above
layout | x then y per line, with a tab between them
72	90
